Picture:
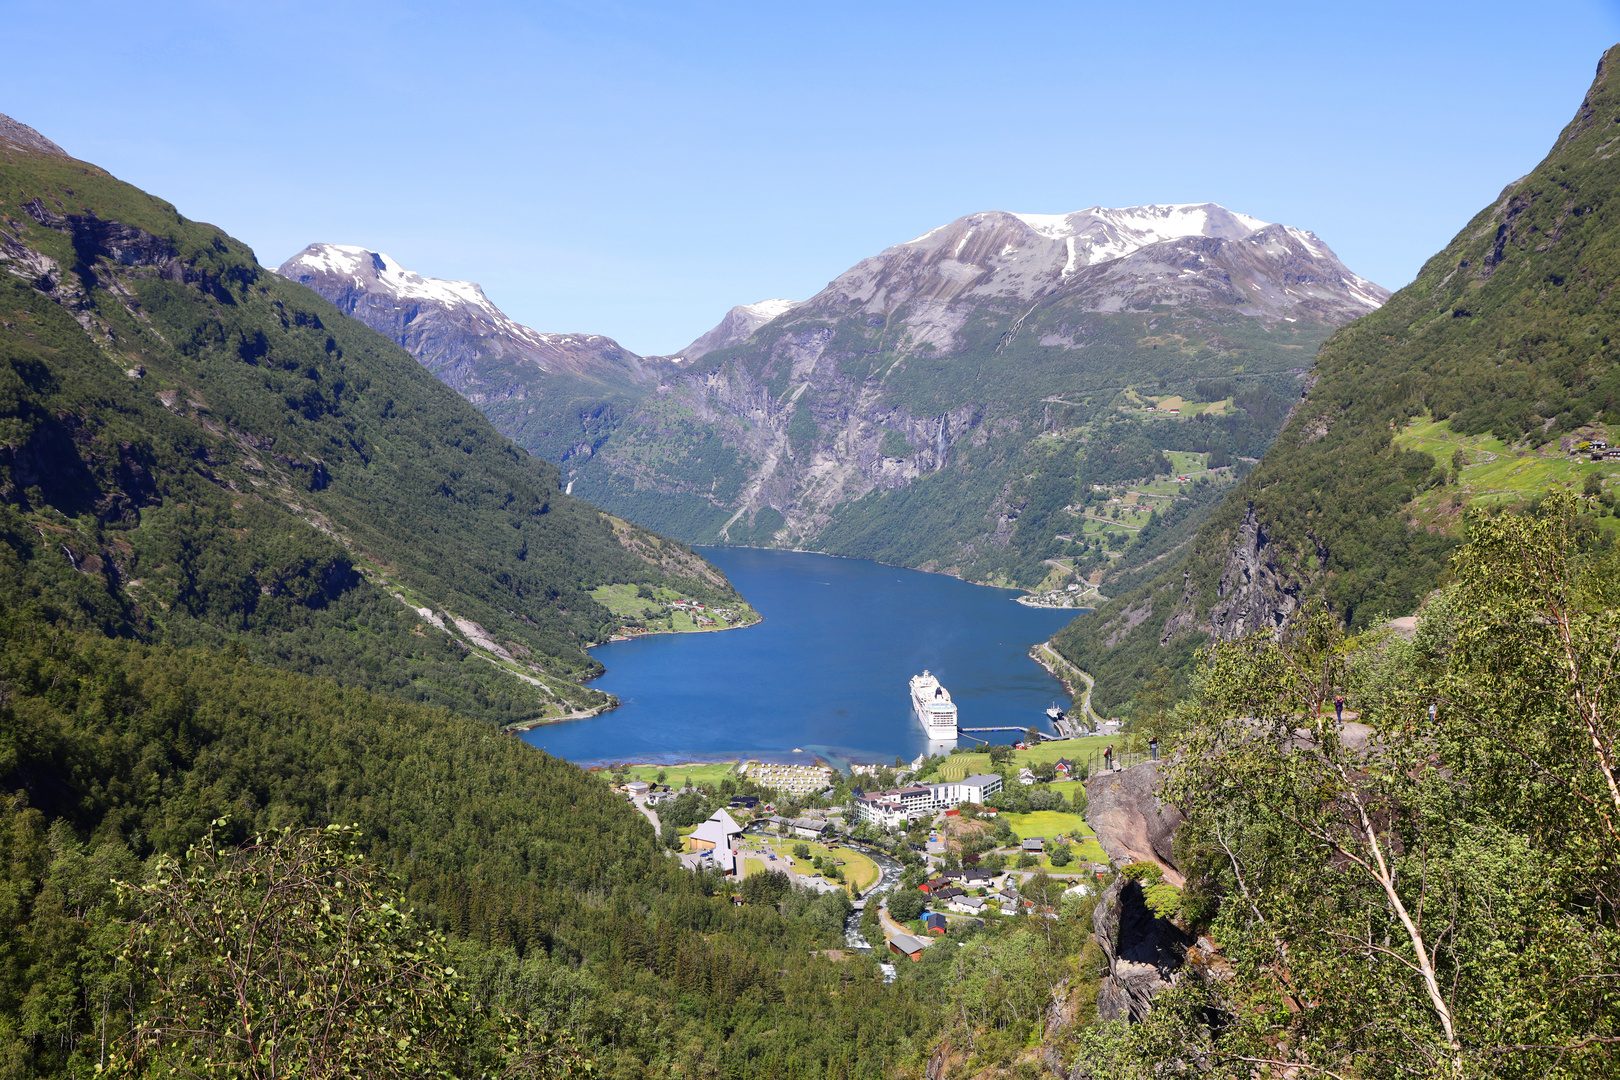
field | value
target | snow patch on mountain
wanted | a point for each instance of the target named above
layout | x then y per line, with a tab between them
767	310
737	327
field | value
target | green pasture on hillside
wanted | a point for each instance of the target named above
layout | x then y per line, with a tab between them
1495	474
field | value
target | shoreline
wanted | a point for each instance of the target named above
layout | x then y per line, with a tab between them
674	633
1050	659
880	562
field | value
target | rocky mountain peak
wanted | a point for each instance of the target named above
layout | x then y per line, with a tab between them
455	330
737	326
1098	259
19	136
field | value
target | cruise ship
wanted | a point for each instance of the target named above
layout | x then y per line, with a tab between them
936	712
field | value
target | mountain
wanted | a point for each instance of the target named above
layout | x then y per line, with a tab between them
928	401
1470	387
197	451
740	322
535	386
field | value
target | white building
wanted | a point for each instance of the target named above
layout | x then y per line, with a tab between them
882	809
969	789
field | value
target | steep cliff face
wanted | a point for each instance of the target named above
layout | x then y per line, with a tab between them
1144	951
1131	822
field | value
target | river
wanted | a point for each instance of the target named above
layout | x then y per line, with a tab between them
826	672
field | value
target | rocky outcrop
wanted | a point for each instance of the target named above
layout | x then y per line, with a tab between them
26	138
1259	589
1144	951
1131	822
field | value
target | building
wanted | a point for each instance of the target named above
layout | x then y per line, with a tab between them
935	922
808	829
880	808
1034	845
906	945
638	787
716	833
968	905
969	789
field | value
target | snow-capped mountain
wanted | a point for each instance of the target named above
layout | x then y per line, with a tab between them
452	327
738	325
1129	258
970	341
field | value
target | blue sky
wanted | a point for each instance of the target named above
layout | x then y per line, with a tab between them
634	169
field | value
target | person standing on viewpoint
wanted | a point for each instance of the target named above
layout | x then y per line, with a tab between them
1338	708
1108	759
1153	746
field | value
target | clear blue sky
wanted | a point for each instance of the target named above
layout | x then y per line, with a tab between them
634	169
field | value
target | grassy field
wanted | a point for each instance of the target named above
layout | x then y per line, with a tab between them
1073	749
1496	475
754	866
676	775
625	603
958	766
860	872
1046	824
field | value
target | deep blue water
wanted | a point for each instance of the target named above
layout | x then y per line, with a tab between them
826	671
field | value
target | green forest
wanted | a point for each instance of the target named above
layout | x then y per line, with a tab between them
195	451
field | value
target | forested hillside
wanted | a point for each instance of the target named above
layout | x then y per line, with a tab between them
556	897
195	450
1480	382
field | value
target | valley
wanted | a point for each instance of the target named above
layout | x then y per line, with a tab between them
363	709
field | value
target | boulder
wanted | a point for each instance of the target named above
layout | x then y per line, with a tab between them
1131	822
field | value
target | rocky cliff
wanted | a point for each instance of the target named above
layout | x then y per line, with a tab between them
1131	822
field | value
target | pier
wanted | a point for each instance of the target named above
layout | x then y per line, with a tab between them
970	732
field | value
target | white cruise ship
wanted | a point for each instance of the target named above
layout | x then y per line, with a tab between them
936	712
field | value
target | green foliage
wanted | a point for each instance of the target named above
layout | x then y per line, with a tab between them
895	444
278	475
1441	893
802	430
907	904
551	888
292	954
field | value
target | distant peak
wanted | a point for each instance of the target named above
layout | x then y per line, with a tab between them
770	309
363	265
26	138
1166	221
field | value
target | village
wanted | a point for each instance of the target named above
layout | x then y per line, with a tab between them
916	858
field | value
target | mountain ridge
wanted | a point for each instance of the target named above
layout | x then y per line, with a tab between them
963	342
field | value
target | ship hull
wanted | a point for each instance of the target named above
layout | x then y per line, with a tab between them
933	708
